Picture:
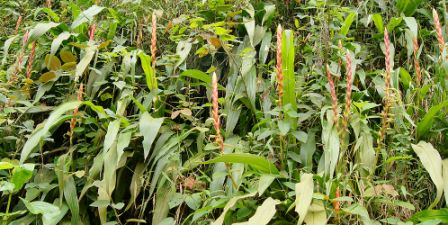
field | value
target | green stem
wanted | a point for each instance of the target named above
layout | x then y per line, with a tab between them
5	218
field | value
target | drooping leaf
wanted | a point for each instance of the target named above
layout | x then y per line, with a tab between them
39	133
149	128
58	41
85	61
21	175
40	29
86	15
257	162
412	25
304	194
48	211
428	215
432	162
111	135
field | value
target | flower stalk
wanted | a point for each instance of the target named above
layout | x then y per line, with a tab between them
348	92
75	112
416	62
387	100
154	40
19	22
278	68
438	31
215	114
92	30
19	58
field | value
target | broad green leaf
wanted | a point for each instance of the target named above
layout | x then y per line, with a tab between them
394	22
149	128
48	211
425	124
52	62
54	16
182	50
151	80
445	179
21	175
86	58
230	205
197	74
249	24
307	149
71	197
347	23
6	46
408	7
86	15
289	81
359	210
136	184
111	135
432	162
257	162
40	29
264	48
249	74
304	194
264	182
412	24
269	12
378	21
263	214
39	133
427	215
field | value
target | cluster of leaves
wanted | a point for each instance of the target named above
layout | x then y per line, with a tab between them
106	118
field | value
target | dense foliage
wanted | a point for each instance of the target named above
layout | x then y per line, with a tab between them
223	112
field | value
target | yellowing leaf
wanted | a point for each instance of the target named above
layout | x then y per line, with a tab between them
304	195
316	214
215	42
48	76
67	56
264	213
229	205
52	62
104	44
445	179
432	162
69	66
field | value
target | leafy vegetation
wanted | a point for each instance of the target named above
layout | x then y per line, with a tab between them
223	112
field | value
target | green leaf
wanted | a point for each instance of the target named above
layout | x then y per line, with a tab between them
197	74
49	211
21	175
149	128
86	15
54	16
263	214
257	162
378	21
58	41
394	22
151	80
425	124
408	7
89	52
412	24
347	23
39	133
359	210
432	162
289	81
40	29
264	48
427	215
71	197
6	166
264	182
111	135
230	205
304	194
316	214
6	46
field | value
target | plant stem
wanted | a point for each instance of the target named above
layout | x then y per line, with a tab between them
5	218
